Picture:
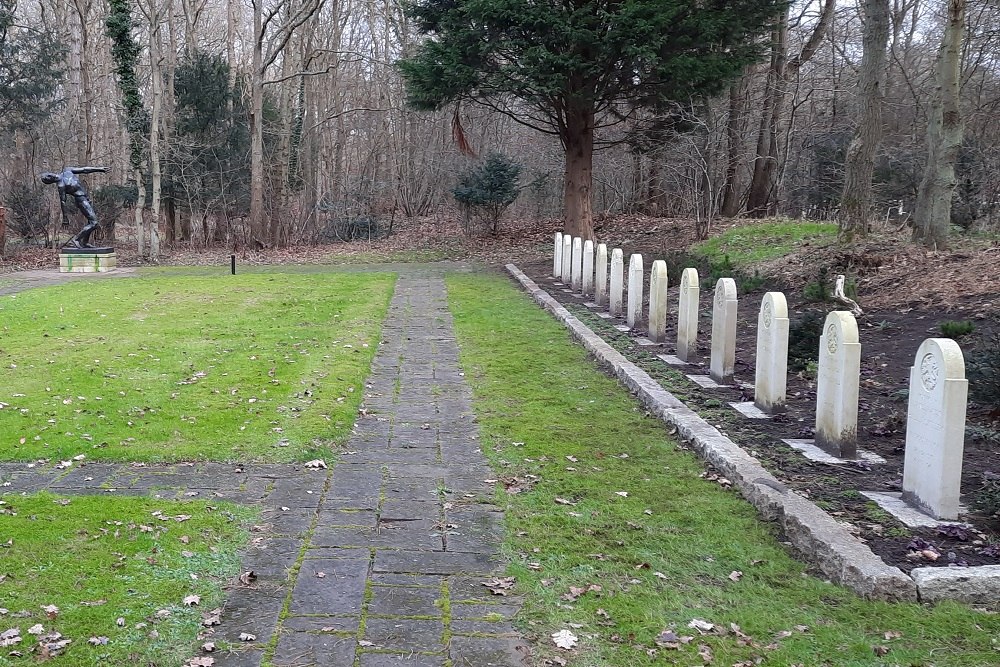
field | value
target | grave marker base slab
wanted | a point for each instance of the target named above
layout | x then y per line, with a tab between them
907	514
705	382
591	304
749	410
623	327
644	342
671	359
604	316
812	452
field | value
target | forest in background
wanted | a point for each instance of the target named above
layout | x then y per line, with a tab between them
265	123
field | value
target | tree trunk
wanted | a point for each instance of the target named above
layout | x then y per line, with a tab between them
764	185
734	145
140	206
932	214
856	198
578	142
257	231
759	202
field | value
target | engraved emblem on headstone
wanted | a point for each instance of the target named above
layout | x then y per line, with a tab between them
832	342
720	293
766	315
929	372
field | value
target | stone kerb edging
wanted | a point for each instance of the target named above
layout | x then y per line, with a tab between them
823	541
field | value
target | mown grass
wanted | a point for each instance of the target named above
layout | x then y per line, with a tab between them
664	554
247	367
99	560
749	244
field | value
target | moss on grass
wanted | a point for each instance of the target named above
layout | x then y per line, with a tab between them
247	367
751	244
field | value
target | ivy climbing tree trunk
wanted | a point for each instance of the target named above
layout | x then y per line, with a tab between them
856	198
932	214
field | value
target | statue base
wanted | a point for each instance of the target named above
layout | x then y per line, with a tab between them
87	260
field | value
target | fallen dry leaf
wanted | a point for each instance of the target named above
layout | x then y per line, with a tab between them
192	600
564	639
705	651
247	637
735	575
98	641
499	585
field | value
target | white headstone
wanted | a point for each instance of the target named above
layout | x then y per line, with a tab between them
588	267
837	385
935	428
567	258
557	257
633	314
687	315
723	332
771	365
601	276
617	282
658	301
577	270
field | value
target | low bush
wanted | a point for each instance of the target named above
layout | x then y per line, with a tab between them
982	368
803	340
986	500
956	328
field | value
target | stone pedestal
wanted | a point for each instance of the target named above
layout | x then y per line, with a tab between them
87	260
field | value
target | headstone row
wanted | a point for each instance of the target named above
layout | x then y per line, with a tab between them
938	389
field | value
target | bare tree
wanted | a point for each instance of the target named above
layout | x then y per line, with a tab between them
856	198
932	215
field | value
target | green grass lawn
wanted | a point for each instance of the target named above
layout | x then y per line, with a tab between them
749	244
99	560
616	504
263	367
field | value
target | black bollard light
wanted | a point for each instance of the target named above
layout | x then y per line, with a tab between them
232	264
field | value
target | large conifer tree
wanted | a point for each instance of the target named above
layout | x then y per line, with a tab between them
571	63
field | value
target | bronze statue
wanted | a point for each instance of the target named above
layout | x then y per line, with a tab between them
69	184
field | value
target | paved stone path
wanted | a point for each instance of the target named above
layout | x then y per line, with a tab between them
378	561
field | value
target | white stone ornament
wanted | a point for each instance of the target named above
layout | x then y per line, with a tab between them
601	276
567	258
587	282
837	386
935	429
687	315
576	274
771	365
633	314
617	282
557	257
723	360
658	301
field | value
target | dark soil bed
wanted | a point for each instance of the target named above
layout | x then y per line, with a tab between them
889	340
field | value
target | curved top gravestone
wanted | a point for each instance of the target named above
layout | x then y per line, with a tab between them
837	377
935	428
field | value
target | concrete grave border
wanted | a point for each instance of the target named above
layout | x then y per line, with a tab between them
823	541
